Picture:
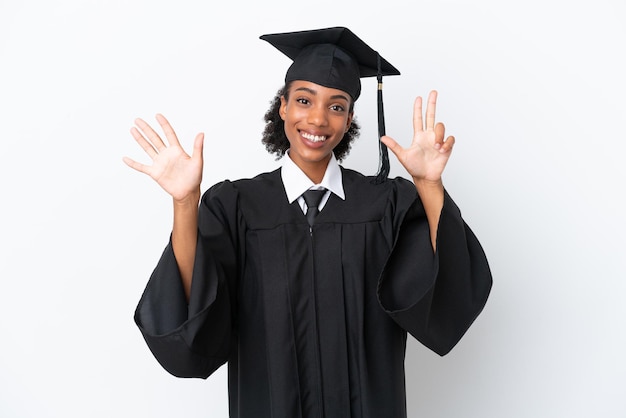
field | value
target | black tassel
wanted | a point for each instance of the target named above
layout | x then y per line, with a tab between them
383	165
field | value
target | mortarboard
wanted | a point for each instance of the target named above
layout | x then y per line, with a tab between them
336	58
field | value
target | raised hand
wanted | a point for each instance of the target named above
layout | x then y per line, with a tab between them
428	154
172	168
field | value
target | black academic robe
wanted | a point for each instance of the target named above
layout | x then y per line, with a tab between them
314	323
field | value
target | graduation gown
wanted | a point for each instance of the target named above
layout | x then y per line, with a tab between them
313	323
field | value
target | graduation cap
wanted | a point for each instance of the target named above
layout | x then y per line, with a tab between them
336	58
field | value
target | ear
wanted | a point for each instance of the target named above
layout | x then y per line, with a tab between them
282	111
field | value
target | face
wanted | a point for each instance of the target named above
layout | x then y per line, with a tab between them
316	119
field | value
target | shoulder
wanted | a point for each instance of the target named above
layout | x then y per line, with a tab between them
259	182
368	200
259	202
360	184
261	187
245	192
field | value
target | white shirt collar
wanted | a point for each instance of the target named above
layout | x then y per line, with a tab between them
296	182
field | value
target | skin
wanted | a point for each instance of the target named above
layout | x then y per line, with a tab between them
312	110
425	159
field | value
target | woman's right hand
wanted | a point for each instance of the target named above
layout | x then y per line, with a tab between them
172	168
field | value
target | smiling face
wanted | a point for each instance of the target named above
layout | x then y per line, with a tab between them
316	119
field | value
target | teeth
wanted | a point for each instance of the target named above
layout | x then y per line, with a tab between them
314	138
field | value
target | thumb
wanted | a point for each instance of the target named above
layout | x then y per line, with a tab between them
391	144
198	145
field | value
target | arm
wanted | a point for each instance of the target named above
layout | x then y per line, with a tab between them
425	159
437	298
184	237
180	176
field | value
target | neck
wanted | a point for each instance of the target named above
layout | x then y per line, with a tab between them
316	173
314	170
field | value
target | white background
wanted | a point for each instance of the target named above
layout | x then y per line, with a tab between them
534	92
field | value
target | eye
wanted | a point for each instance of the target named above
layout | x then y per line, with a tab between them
302	100
337	108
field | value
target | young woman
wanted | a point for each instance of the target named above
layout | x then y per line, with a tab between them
311	315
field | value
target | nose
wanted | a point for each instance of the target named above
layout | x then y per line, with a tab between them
318	116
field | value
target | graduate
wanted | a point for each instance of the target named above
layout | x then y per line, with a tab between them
307	280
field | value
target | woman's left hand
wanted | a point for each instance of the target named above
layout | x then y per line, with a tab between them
428	154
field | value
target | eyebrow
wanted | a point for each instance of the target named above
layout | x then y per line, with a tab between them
314	92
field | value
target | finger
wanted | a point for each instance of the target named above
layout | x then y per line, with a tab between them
448	144
167	128
142	168
143	143
418	122
392	145
147	130
430	110
440	131
198	145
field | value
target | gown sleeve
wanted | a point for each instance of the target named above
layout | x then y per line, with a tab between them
193	339
435	297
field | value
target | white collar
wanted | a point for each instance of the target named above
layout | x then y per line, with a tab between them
296	182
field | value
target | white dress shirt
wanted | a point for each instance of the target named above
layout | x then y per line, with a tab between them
296	182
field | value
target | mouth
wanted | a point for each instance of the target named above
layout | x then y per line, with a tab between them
313	138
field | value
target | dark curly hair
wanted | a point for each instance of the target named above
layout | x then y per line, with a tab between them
276	141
